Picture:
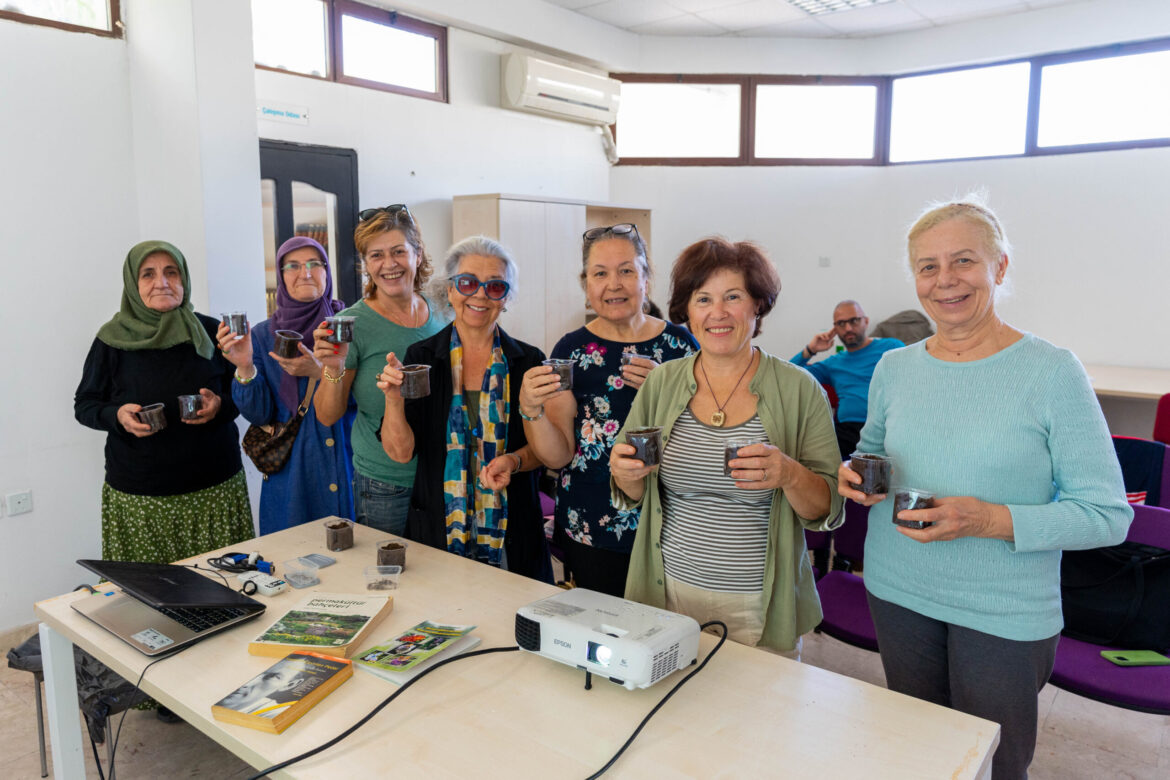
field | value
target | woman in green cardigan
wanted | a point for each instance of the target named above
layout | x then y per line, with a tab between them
723	539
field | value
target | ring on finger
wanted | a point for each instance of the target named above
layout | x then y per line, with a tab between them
765	479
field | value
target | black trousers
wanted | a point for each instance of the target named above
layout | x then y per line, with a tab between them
595	568
983	675
848	434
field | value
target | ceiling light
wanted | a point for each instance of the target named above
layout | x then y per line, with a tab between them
818	7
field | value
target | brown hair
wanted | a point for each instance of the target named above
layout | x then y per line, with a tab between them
383	222
700	260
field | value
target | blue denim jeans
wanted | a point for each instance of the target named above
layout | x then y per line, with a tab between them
381	505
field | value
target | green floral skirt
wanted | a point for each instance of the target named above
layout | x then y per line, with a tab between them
161	529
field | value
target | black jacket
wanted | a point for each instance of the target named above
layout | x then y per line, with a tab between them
524	541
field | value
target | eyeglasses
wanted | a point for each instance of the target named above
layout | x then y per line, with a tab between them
394	211
469	284
295	268
852	322
621	229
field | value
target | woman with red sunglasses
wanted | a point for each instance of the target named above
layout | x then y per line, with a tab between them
475	490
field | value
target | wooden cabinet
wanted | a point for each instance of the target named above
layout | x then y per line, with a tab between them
544	236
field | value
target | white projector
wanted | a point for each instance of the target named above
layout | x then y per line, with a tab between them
628	643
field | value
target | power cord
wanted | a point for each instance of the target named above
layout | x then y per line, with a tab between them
238	563
137	686
665	698
376	710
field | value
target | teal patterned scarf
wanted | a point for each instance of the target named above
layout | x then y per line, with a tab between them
486	511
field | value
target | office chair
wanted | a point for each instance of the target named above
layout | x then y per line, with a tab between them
843	602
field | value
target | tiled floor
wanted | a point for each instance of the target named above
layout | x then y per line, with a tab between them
1078	738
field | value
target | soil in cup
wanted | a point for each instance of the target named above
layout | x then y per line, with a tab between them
416	381
286	344
237	322
874	471
189	406
342	328
563	369
338	535
908	498
154	416
647	444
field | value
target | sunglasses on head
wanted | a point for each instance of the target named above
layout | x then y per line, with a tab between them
469	284
394	211
621	229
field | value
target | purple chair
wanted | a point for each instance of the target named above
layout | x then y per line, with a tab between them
1145	468
846	611
1079	667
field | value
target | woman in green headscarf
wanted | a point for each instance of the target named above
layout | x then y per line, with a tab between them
178	491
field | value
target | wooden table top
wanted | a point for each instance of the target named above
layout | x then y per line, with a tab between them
747	714
1125	382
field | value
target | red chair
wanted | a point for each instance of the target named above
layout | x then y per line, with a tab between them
843	602
1162	420
1079	667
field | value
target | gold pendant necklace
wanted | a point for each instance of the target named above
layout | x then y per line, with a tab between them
718	417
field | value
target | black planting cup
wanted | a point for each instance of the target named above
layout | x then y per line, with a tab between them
416	381
647	443
563	369
154	416
189	406
342	328
731	452
237	321
874	470
911	498
286	344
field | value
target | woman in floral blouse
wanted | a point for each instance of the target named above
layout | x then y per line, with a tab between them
576	429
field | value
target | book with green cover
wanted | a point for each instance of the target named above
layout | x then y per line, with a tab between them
416	649
330	623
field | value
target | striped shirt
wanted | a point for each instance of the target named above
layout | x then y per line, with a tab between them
714	535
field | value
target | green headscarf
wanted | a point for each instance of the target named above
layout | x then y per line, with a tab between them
137	326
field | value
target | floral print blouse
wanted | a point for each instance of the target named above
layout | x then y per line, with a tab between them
584	511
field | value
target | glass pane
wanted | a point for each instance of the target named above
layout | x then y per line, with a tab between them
378	52
315	216
84	13
290	35
1098	101
815	121
967	113
678	120
268	225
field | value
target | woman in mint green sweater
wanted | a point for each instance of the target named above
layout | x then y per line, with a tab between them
1004	428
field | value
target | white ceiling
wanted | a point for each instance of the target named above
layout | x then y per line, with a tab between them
779	19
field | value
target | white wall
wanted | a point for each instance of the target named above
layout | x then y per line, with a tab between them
69	211
422	153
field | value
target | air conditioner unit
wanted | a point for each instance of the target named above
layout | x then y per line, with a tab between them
543	87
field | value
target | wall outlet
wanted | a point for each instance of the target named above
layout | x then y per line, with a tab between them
18	503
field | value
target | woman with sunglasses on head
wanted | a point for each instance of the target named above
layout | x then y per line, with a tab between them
392	315
575	430
723	539
475	491
316	480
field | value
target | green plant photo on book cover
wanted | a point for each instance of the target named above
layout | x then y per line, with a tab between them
314	628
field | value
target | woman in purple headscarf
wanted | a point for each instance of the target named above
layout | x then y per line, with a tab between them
316	481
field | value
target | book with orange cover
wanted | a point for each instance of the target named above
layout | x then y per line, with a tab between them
274	699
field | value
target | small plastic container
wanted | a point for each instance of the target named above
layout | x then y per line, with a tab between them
382	577
299	573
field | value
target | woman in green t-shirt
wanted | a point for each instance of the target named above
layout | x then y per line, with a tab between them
392	315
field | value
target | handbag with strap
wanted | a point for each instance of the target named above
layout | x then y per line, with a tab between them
1118	596
269	446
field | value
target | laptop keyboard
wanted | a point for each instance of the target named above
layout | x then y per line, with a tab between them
201	619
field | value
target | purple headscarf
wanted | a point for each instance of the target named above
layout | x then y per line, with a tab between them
304	318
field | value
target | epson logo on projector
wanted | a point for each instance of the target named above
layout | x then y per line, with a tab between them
562	643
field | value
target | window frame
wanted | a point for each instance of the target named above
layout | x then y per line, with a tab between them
881	124
335	9
884	109
115	31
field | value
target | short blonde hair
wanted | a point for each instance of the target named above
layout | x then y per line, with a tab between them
974	209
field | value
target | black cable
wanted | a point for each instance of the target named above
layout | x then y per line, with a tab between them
227	563
376	710
664	699
137	686
96	760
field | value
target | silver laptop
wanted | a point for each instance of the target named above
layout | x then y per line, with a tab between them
158	608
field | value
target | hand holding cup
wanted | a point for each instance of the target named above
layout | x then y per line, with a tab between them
390	378
128	419
635	368
211	404
330	355
540	384
849	483
237	349
304	365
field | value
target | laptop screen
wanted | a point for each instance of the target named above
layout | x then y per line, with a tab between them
165	585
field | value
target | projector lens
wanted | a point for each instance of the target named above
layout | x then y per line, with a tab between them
599	654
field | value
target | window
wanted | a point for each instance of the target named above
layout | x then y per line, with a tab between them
291	35
351	43
691	118
1105	100
816	121
977	112
100	17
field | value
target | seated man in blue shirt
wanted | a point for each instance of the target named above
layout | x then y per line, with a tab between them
848	372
